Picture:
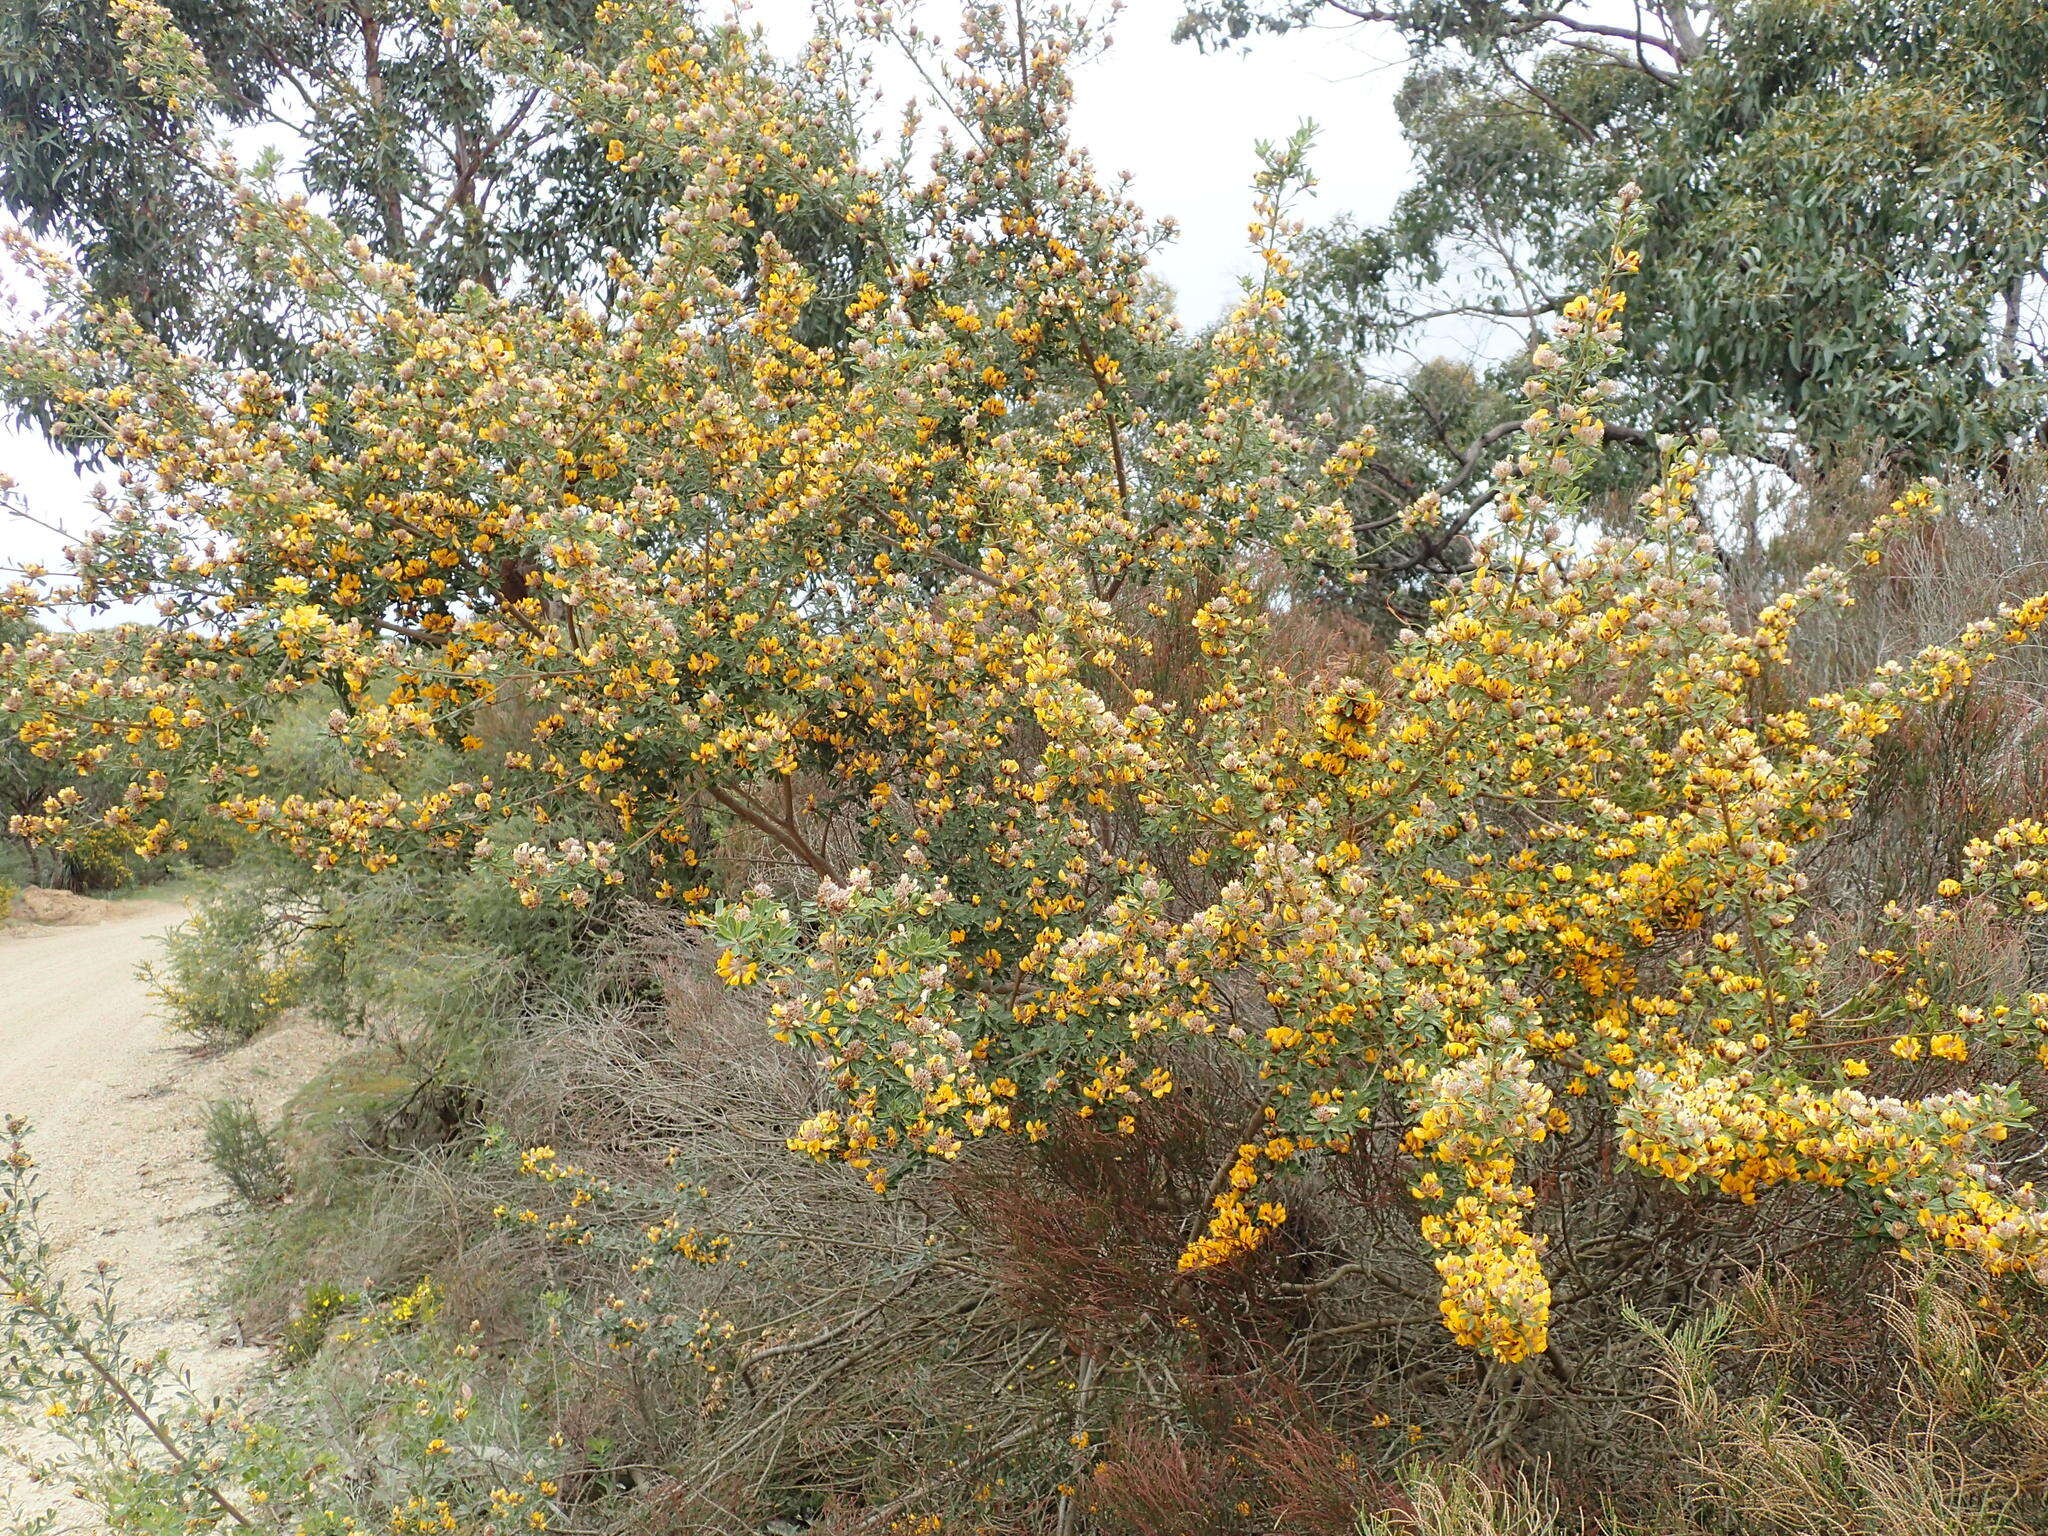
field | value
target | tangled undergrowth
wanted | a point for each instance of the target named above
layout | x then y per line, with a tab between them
1252	1080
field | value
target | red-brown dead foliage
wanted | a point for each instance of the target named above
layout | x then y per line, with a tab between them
1084	1232
1310	1480
1256	1456
1158	1482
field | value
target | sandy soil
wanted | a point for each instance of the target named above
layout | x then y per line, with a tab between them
117	1100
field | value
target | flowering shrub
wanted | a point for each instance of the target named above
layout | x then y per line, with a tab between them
1557	857
307	1329
702	564
228	970
127	1432
958	630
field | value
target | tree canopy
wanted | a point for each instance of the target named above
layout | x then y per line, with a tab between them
383	113
1847	218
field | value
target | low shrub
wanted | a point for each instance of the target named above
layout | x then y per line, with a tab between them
425	1442
102	861
228	970
243	1151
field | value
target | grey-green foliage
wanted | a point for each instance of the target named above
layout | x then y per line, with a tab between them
1848	216
243	1152
231	968
433	945
122	1430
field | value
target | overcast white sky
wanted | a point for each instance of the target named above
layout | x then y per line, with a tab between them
1182	123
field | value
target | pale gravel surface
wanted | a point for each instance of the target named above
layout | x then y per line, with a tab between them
117	1099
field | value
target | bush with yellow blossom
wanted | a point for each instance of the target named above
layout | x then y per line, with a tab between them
957	626
1557	857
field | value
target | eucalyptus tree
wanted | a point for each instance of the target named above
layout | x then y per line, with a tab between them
1848	206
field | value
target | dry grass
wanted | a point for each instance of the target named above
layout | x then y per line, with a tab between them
1934	1427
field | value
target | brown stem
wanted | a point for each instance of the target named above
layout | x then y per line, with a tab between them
941	558
1116	442
33	1301
787	836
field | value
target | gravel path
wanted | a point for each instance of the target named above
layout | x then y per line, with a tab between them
117	1100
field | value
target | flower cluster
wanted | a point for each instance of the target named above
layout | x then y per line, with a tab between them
661	1219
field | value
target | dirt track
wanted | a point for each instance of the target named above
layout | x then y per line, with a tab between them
117	1100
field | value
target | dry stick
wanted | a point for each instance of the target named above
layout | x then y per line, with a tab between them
837	1330
1023	1361
788	837
768	1461
1084	1390
896	1506
32	1300
1379	1323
